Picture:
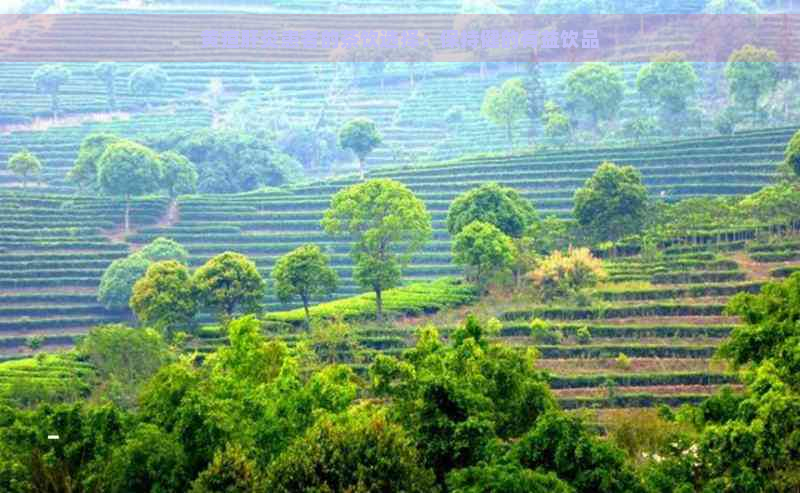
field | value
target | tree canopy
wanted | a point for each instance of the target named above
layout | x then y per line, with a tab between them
505	105
164	298
24	164
596	89
387	224
483	250
128	169
361	136
612	203
670	82
502	207
48	79
304	272
229	282
751	73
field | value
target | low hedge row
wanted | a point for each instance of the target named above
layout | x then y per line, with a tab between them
779	256
632	401
627	330
644	310
691	291
631	350
698	277
784	271
641	379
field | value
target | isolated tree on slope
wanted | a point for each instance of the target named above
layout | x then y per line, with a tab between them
751	72
49	79
180	175
128	169
164	298
596	89
535	93
387	224
148	81
612	203
483	250
23	164
228	282
304	272
500	206
84	171
669	81
106	72
505	105
361	136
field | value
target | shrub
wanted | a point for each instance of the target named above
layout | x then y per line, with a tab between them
561	275
622	362
543	332
583	335
34	342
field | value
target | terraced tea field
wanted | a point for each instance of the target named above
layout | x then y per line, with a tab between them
665	315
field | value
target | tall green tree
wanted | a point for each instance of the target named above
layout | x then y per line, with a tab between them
162	249
164	298
107	72
24	164
483	250
361	136
612	203
557	126
387	224
751	72
128	169
505	105
304	272
502	207
357	451
180	175
670	82
535	91
148	81
84	171
595	89
48	79
116	283
227	282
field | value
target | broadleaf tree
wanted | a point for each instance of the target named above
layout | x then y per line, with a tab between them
24	164
107	73
148	81
387	224
229	282
164	298
483	250
500	206
48	79
612	203
505	105
128	169
361	136
596	89
84	171
670	82
751	73
180	175
304	272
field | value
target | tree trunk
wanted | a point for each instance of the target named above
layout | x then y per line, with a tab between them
127	213
361	167
510	136
308	315
378	305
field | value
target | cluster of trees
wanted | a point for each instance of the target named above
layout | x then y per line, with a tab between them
147	81
464	415
594	93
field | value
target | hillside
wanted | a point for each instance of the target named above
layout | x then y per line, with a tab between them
56	248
